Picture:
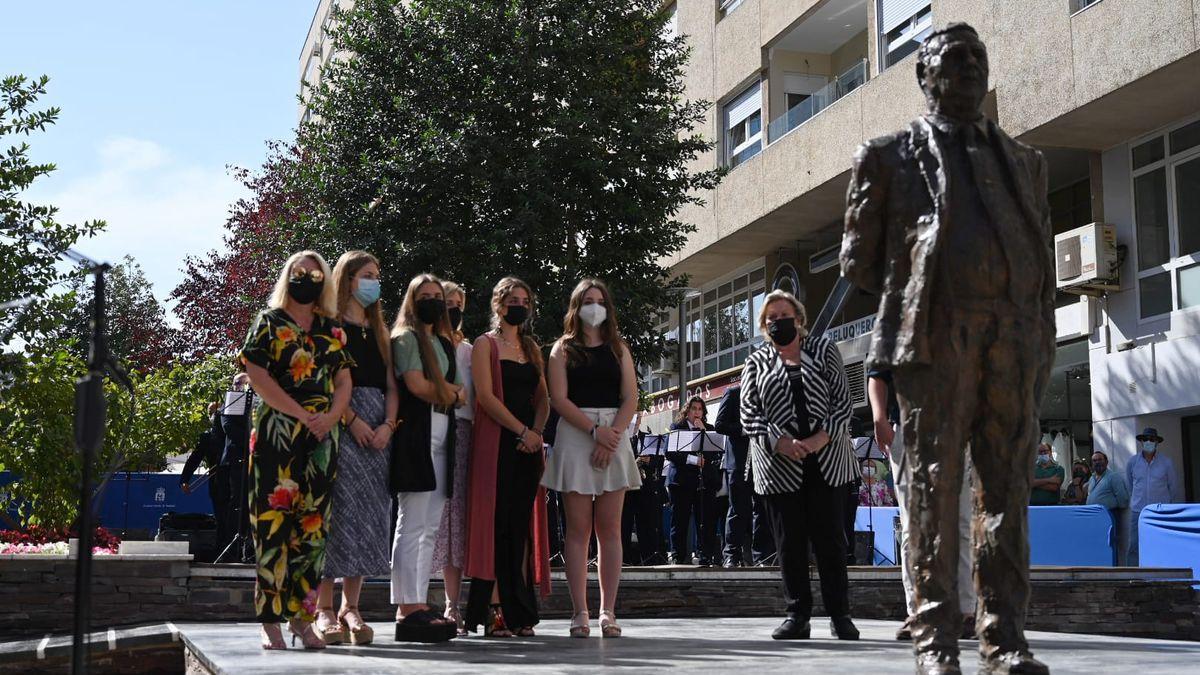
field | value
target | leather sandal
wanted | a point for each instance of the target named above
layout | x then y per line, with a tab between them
579	625
609	627
328	627
354	626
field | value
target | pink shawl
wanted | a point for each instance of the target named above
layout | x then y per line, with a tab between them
481	497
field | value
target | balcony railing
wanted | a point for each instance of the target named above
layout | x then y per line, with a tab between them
821	99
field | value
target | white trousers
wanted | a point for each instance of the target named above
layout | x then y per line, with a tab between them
966	581
419	516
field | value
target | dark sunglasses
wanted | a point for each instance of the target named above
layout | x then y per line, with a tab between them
299	273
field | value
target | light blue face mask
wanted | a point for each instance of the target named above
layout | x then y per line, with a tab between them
367	292
1149	447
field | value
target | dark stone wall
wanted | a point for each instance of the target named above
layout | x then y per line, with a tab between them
38	598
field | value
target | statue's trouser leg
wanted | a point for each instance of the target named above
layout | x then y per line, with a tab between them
1003	449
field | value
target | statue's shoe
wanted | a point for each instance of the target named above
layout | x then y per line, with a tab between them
1013	662
937	663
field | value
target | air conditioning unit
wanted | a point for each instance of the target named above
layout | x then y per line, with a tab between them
1086	259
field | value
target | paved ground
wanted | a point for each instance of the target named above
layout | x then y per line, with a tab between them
656	645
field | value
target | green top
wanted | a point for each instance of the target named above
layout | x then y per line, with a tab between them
1044	496
406	354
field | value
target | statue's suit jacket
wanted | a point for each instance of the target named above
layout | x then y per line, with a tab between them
897	206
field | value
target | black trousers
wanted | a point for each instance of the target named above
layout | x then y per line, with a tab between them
222	501
648	521
849	517
747	524
813	514
688	504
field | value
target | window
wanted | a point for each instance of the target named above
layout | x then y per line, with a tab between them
1080	5
1071	206
1166	213
743	126
903	24
725	7
722	324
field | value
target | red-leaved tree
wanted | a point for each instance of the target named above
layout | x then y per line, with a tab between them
223	290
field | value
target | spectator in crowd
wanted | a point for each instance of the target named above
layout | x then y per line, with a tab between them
1152	480
449	551
874	490
796	409
1106	488
593	386
1076	492
295	358
1048	478
362	504
209	448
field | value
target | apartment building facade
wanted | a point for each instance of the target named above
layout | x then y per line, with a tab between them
1107	89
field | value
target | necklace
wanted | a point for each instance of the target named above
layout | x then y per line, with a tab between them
361	326
518	350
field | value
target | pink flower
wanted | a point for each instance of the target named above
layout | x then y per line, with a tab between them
310	602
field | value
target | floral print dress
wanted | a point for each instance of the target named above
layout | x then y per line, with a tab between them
291	472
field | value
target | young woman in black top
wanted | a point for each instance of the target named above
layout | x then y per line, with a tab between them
358	540
594	390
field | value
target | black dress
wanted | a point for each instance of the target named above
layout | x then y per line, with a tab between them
517	477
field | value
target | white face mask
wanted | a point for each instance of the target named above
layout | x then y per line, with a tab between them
593	315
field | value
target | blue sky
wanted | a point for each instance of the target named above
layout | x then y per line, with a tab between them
157	98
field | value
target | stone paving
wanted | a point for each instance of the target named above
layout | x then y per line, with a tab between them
655	645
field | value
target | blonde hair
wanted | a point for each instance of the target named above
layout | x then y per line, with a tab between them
406	319
325	305
450	288
572	337
778	295
343	280
500	294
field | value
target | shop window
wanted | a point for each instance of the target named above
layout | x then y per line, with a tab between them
1166	210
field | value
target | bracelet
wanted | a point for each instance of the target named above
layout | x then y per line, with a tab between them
391	424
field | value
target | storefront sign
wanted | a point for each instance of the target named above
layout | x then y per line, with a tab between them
854	329
709	391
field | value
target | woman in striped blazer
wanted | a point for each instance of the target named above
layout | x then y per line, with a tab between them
796	410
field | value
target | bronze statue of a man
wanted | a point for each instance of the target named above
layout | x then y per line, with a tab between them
948	221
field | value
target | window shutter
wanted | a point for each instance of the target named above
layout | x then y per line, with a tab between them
745	105
892	13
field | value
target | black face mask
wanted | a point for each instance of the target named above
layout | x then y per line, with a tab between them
1080	473
304	290
516	315
782	331
455	317
1098	467
430	309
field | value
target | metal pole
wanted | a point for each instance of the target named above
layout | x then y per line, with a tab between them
682	354
89	436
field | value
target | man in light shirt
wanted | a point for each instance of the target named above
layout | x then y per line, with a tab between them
1108	489
1152	480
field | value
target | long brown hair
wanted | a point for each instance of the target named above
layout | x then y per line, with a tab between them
572	337
347	266
683	413
406	319
503	289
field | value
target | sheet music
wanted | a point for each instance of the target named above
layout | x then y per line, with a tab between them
682	441
235	403
653	445
714	442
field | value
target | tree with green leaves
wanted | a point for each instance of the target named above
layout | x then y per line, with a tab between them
32	240
548	139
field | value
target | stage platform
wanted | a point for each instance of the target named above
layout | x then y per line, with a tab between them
649	645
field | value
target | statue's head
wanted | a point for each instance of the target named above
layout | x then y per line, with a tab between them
952	68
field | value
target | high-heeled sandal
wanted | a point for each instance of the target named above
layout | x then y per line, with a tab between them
453	614
328	627
272	637
609	627
579	625
353	625
304	631
495	626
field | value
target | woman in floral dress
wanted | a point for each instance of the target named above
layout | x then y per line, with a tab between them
299	371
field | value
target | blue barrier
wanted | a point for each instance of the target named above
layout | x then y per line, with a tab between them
1169	536
1058	535
136	501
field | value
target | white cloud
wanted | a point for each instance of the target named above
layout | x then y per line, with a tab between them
158	209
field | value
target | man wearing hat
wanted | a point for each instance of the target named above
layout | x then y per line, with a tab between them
1152	480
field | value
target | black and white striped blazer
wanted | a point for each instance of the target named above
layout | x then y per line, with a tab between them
769	413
